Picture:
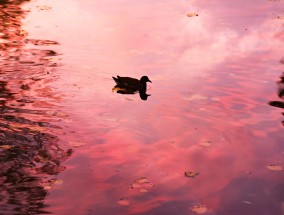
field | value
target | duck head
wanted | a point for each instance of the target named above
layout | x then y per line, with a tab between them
145	79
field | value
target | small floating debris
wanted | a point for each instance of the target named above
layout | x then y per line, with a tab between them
280	17
273	167
191	174
142	183
43	7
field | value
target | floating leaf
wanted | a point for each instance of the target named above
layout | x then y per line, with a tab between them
6	147
123	202
191	174
274	167
205	143
141	180
199	209
192	14
142	183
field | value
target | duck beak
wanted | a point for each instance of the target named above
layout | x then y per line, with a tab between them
149	81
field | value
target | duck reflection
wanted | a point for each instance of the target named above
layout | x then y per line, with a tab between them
280	92
127	85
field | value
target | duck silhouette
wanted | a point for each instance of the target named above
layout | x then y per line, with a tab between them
280	93
128	85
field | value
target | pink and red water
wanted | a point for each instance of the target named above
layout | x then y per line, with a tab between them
212	75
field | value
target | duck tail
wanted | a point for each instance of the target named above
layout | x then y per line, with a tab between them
115	79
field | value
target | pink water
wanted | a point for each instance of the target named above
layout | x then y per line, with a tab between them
94	151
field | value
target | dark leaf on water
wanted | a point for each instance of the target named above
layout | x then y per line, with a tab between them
191	174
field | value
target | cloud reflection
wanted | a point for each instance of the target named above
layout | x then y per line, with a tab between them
213	75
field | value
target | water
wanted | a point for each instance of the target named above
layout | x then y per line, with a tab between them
70	145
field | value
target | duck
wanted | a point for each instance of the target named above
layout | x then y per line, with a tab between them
132	84
128	85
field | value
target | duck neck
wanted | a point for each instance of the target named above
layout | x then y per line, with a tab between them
143	87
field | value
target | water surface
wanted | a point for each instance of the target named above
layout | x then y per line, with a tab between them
213	77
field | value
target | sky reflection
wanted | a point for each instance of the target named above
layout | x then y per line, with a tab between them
213	76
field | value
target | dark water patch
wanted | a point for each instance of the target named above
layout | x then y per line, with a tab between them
252	190
31	156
